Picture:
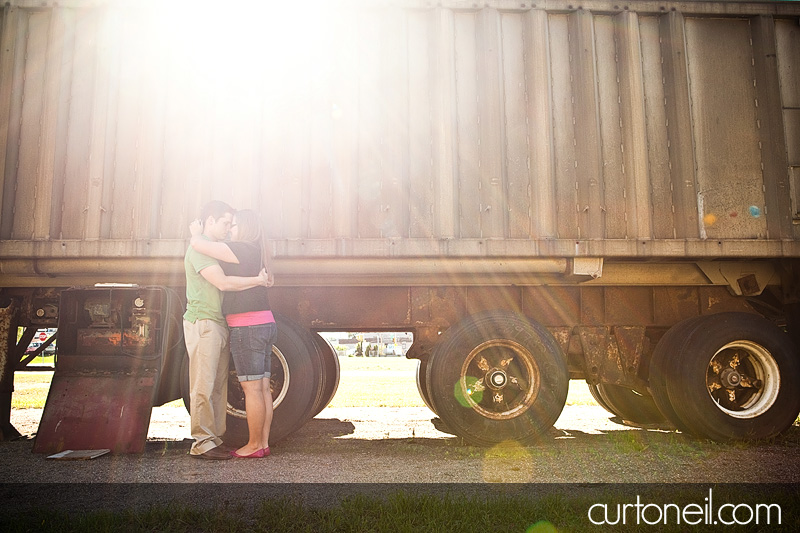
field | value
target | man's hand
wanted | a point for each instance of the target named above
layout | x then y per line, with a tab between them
214	275
267	278
196	227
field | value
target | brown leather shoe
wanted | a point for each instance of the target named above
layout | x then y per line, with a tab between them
214	454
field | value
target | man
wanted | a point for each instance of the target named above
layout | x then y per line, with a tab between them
206	334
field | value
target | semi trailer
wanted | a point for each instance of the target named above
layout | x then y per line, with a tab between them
540	191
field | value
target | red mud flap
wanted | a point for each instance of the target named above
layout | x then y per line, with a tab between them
113	345
92	411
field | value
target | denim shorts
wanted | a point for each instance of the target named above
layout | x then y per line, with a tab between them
251	347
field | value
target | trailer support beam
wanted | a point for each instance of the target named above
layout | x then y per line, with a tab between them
8	361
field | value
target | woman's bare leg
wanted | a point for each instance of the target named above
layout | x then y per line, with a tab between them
254	404
266	394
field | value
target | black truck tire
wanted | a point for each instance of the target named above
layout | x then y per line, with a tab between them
422	383
598	398
497	376
734	378
662	360
330	372
629	404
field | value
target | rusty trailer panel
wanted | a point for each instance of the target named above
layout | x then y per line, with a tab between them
96	411
115	344
408	308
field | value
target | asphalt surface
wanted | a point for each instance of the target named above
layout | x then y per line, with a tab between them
380	452
405	445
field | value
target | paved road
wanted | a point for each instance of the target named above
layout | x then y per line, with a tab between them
403	445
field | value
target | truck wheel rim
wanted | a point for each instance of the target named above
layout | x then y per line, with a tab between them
499	380
743	379
278	381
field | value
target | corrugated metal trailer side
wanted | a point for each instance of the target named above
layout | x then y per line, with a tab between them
647	129
546	187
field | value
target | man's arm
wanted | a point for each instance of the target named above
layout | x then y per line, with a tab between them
214	275
217	250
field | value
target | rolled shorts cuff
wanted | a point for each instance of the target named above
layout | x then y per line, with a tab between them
255	377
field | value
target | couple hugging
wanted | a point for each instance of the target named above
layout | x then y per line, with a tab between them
226	297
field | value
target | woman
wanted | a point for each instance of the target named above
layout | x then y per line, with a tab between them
252	326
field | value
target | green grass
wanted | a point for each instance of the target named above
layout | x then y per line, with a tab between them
43	360
30	389
364	382
402	512
377	382
392	382
508	510
32	378
396	364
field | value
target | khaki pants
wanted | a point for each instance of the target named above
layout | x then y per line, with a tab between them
207	347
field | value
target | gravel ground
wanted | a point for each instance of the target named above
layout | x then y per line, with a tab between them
403	445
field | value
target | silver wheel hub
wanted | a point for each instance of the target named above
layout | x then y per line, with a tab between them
496	379
730	378
499	379
743	379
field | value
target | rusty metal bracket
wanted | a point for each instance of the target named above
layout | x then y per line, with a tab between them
425	339
613	354
742	278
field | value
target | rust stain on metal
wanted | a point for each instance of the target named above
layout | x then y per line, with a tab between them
613	355
5	326
96	410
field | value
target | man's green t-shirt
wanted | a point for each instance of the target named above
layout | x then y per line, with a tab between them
203	300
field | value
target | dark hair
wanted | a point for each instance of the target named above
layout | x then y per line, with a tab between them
250	230
216	209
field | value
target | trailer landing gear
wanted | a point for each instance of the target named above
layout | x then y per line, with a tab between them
8	362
